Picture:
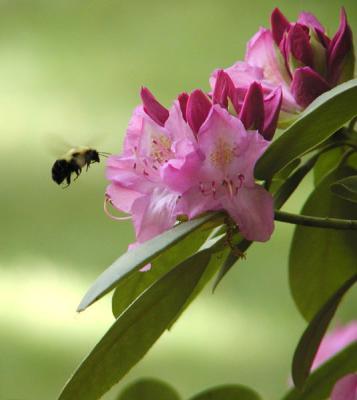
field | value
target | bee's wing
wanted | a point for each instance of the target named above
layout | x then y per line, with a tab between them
56	144
59	145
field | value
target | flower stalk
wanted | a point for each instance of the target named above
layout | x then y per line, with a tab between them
316	222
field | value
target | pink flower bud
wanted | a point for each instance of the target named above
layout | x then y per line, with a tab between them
307	85
279	25
252	112
340	53
298	47
300	58
153	108
198	107
183	99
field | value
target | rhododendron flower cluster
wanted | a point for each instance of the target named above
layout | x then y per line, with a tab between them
200	154
299	57
193	158
335	341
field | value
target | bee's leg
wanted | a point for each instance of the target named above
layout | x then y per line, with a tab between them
77	171
68	180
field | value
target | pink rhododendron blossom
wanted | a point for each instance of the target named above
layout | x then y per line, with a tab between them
301	58
221	175
193	158
332	343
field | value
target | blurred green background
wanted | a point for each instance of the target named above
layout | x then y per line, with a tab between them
71	71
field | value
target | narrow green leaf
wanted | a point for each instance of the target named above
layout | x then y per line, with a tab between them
321	382
321	260
320	120
131	286
230	261
216	260
135	259
228	392
283	174
346	188
326	163
309	343
283	193
137	329
149	389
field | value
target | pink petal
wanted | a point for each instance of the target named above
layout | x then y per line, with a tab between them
153	108
263	53
340	47
253	211
241	73
345	388
198	107
122	170
133	131
272	105
121	197
180	174
309	19
193	204
279	25
307	85
154	213
177	126
335	341
252	112
218	138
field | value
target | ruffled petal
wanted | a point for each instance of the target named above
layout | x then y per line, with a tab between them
253	211
154	213
121	197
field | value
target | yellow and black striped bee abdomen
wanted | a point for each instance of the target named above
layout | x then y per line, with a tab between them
72	163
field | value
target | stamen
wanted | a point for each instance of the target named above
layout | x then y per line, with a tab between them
106	201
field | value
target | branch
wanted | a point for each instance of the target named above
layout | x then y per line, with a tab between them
317	222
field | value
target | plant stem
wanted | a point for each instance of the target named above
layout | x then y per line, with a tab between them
317	222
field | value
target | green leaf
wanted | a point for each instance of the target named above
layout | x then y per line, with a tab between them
230	260
320	120
216	260
149	389
321	382
318	253
228	392
137	329
283	193
346	188
326	163
309	343
321	260
132	285
135	259
283	174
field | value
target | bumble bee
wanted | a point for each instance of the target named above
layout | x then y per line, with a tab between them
73	162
